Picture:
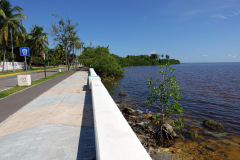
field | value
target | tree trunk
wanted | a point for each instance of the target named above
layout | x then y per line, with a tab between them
68	61
4	55
66	57
12	54
29	63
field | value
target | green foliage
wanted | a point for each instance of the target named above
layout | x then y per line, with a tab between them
37	40
143	60
164	95
154	56
100	59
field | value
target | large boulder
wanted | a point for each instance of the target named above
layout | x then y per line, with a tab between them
129	111
193	134
168	130
161	156
122	94
211	124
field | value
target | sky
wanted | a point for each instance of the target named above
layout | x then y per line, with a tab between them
188	30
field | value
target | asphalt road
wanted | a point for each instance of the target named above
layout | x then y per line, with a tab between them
11	81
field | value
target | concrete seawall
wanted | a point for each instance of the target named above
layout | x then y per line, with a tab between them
114	137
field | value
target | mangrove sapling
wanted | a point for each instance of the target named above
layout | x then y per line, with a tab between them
164	96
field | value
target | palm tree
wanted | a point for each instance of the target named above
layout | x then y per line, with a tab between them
167	56
10	22
37	40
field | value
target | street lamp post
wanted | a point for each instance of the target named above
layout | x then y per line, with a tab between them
42	53
44	65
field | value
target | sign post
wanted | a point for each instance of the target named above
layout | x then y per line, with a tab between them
24	51
24	80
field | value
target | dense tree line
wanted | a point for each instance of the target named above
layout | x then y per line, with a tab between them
106	64
143	60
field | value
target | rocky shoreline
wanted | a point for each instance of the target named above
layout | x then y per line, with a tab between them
194	141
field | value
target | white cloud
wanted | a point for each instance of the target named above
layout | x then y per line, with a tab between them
236	13
153	52
205	55
220	16
232	56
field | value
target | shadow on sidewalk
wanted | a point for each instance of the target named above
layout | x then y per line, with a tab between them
86	145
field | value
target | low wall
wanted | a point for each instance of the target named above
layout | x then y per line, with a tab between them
92	72
8	66
115	139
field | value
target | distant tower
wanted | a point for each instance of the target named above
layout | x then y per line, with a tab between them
90	44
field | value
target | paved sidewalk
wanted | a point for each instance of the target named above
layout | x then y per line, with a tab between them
13	103
58	125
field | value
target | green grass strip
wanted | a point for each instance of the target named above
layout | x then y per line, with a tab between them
15	89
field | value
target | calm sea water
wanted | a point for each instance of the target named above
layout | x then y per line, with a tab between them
208	91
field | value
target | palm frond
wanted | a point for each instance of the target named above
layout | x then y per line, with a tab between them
16	8
2	14
19	15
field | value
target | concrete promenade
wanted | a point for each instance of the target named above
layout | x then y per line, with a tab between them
57	125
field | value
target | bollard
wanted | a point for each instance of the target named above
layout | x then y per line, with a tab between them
24	80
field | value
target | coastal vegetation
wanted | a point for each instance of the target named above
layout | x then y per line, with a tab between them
164	96
101	60
144	60
106	64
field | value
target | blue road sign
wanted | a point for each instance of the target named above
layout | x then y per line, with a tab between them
24	51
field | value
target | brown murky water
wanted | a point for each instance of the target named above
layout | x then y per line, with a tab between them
208	91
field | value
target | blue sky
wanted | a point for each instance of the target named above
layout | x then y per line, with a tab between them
188	30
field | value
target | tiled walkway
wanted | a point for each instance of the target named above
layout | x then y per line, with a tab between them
58	125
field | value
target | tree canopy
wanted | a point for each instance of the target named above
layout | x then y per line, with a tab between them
100	59
64	32
38	39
